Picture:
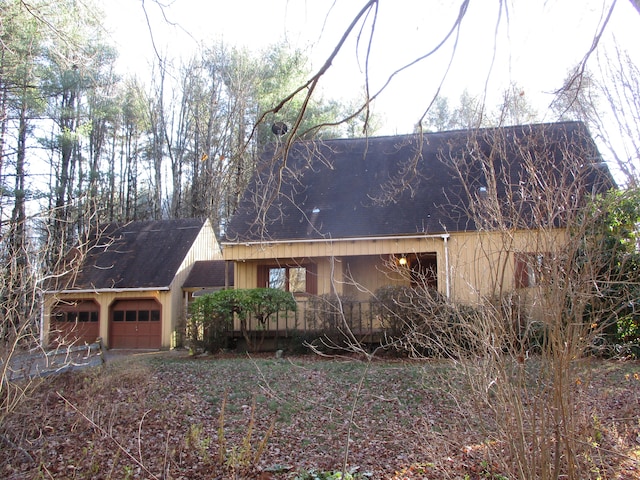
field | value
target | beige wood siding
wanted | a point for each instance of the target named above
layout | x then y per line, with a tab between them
482	264
471	266
339	263
335	248
205	247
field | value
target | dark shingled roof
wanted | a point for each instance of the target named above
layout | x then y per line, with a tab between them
208	274
142	254
402	185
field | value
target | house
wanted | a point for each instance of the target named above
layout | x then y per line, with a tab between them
469	213
125	285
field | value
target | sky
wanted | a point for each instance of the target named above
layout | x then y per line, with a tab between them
534	45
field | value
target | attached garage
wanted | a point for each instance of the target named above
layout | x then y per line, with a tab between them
136	324
75	322
133	273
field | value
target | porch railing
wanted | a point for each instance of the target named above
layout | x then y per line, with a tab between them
320	315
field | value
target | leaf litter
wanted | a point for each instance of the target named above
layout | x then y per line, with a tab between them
169	416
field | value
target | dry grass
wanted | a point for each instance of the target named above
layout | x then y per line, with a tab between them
159	416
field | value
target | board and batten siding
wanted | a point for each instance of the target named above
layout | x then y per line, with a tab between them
204	247
482	263
471	266
334	257
243	252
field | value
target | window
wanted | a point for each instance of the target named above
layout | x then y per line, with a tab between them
294	278
76	311
136	316
531	269
298	280
290	279
87	316
278	278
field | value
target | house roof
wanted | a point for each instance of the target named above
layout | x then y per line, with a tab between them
411	184
209	274
134	255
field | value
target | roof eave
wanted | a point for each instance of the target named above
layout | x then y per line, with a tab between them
110	290
331	240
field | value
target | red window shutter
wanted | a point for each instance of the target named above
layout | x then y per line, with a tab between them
312	278
263	276
521	271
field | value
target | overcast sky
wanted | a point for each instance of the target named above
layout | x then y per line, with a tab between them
535	48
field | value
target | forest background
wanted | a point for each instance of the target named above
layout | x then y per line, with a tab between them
144	109
122	111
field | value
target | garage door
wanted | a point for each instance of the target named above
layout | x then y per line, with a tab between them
75	322
135	324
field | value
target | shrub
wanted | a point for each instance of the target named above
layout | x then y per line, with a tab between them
209	322
330	317
301	342
329	313
394	307
212	315
423	322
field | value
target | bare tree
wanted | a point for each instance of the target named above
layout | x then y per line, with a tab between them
612	109
521	341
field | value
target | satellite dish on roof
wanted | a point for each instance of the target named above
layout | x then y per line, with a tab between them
279	128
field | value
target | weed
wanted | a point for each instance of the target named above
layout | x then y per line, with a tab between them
196	441
245	455
486	471
331	475
597	430
128	472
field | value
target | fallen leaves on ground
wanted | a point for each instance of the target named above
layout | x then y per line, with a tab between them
159	417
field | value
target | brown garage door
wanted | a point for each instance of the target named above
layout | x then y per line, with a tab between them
135	324
75	322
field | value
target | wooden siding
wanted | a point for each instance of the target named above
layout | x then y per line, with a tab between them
480	267
205	247
339	262
471	266
482	263
332	248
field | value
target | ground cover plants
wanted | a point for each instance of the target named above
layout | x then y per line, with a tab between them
167	415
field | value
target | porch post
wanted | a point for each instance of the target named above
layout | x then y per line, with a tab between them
445	238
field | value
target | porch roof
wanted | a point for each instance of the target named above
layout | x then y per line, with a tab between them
209	274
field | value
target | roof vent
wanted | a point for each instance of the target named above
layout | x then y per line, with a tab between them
279	128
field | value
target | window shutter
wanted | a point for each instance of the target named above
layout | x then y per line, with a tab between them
521	271
312	278
263	276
